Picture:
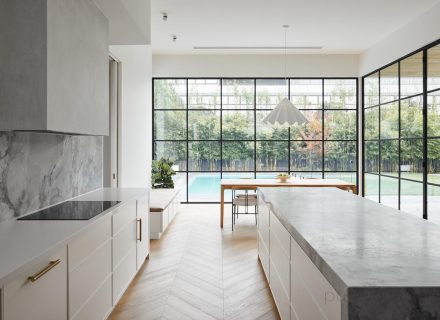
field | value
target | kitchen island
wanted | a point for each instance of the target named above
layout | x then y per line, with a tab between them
329	254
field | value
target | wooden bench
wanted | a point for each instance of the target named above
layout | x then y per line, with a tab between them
164	205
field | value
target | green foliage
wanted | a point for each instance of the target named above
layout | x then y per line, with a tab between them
162	173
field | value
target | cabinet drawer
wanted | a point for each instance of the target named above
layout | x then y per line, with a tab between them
263	216
88	242
280	261
84	280
281	299
123	242
263	254
44	299
99	306
123	274
276	228
316	285
123	216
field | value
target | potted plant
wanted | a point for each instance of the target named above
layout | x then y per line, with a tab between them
283	177
162	173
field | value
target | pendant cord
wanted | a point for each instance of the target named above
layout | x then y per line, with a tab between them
285	53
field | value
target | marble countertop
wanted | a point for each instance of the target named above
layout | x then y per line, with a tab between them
21	242
357	243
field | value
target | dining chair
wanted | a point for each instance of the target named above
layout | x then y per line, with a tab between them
243	198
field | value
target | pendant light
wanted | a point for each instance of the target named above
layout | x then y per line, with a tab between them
285	113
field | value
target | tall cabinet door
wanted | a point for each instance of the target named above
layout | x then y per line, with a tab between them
44	297
143	230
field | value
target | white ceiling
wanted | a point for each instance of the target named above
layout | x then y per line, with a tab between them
339	26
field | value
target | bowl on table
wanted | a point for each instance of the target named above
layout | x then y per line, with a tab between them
283	177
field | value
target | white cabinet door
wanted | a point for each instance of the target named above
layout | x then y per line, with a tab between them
45	298
143	230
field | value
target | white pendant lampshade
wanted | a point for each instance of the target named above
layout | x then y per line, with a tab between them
285	114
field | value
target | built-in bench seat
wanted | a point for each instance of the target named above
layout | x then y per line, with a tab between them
164	204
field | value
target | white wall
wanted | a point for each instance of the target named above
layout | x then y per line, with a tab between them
135	122
300	65
416	34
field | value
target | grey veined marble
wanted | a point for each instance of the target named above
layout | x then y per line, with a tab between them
40	169
385	264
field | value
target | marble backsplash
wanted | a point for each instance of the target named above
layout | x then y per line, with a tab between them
40	169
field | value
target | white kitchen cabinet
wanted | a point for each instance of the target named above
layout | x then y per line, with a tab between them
90	269
45	298
313	297
124	247
263	237
143	230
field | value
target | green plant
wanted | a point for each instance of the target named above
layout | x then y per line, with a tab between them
162	173
283	175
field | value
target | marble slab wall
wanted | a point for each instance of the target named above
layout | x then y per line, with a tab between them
40	169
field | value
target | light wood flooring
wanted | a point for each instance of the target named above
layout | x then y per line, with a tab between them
198	271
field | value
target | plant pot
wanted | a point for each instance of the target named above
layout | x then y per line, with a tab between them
283	179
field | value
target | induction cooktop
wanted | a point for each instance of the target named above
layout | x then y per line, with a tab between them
71	210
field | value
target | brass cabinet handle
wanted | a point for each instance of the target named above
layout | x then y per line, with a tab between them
140	230
49	267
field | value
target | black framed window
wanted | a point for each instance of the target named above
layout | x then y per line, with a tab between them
212	128
401	134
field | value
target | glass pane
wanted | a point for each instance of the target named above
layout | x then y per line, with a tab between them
306	93
411	159
204	156
204	94
311	130
434	68
170	94
306	155
340	156
204	187
173	150
340	125
411	117
272	156
180	183
434	114
371	90
237	175
411	197
340	94
389	121
372	187
389	153
270	92
434	204
389	84
434	161
170	125
389	191
266	175
238	156
344	176
267	131
371	123
238	125
372	156
411	75
307	175
238	94
204	125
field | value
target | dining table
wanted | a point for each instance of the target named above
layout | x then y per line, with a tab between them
253	184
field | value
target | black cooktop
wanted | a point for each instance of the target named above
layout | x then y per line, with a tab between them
71	210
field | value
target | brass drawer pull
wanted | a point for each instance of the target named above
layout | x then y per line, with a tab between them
49	267
140	230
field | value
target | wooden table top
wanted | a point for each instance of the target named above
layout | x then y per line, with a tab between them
291	182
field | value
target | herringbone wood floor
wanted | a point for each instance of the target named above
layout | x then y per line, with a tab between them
198	271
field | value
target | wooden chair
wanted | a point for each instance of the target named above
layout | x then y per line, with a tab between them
245	200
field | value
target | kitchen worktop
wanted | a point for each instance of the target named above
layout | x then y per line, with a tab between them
22	242
377	258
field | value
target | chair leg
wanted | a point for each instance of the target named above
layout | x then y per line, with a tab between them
255	214
233	217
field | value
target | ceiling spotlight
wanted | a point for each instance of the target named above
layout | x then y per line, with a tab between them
164	16
174	38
